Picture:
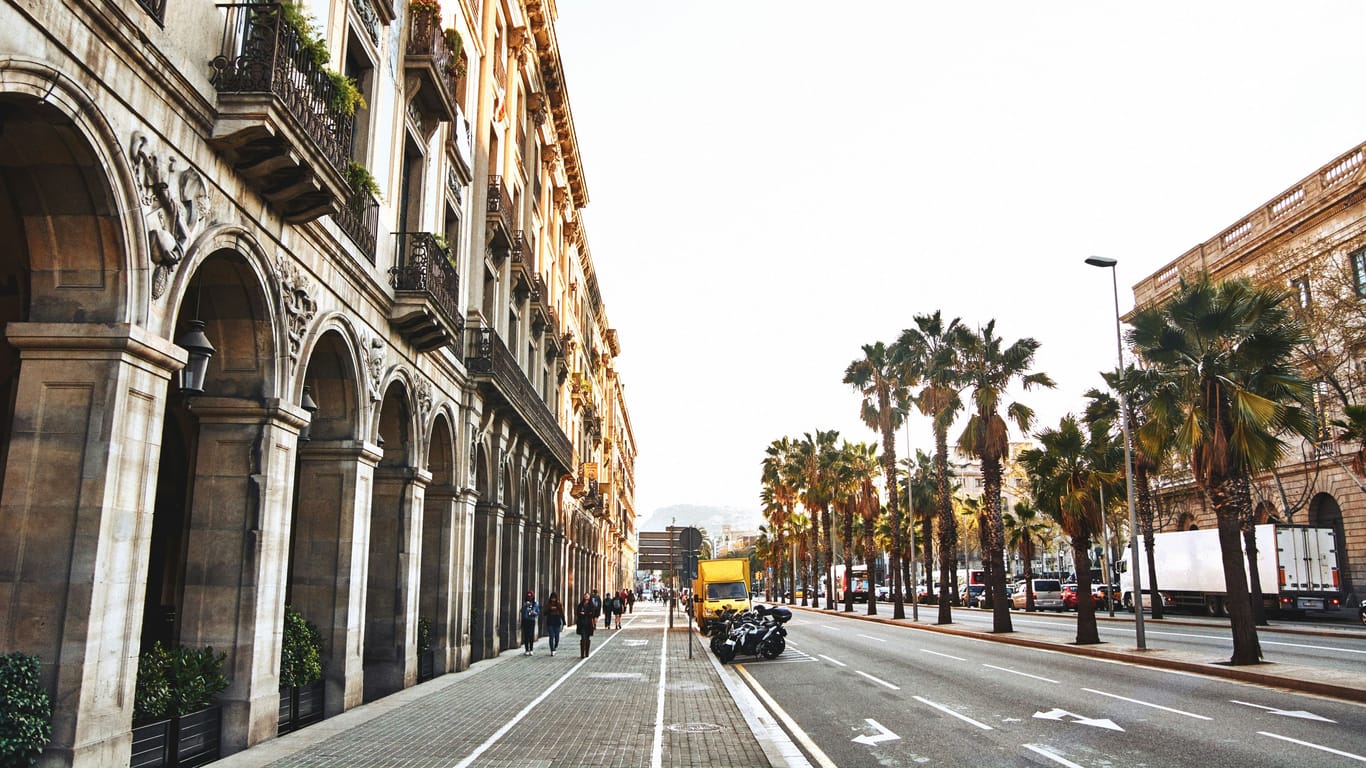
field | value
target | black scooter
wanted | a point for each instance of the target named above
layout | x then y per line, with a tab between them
760	635
1361	612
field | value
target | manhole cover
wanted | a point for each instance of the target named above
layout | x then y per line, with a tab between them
694	727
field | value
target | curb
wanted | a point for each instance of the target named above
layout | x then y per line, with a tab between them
1211	669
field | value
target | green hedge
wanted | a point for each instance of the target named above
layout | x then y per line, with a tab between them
301	651
25	711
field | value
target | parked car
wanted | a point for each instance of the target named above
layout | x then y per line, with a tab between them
1047	595
973	595
1069	597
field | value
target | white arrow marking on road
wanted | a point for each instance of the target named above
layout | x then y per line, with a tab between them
1287	712
1059	714
882	735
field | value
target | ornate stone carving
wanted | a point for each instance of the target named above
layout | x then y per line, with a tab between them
422	393
373	350
175	207
296	301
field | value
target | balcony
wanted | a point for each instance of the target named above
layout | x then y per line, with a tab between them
502	382
359	219
428	59
426	308
524	282
501	217
278	124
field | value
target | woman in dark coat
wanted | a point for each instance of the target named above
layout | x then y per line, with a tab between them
585	619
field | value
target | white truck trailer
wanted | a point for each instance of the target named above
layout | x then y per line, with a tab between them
1298	567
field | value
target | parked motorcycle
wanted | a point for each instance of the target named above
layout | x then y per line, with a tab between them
1361	612
759	632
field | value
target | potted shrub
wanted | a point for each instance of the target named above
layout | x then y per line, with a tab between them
301	672
175	719
426	664
25	710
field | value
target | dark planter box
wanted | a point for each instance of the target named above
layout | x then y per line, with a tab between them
426	665
185	741
300	706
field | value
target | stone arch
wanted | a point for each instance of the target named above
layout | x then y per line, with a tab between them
439	606
332	368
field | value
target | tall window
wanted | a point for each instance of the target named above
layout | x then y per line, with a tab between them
1359	271
358	66
1301	287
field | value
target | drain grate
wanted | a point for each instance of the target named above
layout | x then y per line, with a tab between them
694	727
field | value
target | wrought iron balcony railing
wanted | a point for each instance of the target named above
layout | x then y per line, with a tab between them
263	54
429	58
490	362
427	291
500	210
359	219
280	120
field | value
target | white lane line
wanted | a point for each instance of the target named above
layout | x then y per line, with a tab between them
870	637
827	626
517	718
657	751
832	661
788	722
1358	758
945	655
1315	647
1046	752
878	680
1147	704
1021	674
948	711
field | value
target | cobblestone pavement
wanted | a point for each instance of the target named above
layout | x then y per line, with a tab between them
608	711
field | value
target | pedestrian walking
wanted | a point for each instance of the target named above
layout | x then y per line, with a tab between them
530	611
630	601
618	607
607	611
554	620
585	619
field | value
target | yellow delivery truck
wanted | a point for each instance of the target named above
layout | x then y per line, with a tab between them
720	585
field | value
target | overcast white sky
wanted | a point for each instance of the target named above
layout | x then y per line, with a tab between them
775	184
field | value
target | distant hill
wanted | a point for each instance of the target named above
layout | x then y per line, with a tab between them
710	518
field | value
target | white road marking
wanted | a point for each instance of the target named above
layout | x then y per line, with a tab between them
1315	647
948	711
1060	714
792	727
1048	753
1147	704
657	751
832	661
945	655
517	718
882	735
1300	713
870	637
878	681
1358	758
1021	674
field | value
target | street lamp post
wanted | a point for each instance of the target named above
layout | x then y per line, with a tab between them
1101	261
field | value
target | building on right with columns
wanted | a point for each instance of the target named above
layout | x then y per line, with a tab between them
1310	239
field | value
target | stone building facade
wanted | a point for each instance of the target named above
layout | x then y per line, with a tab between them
1311	238
411	414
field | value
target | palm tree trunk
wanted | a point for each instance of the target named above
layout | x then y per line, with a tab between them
1258	605
947	534
991	484
829	560
1145	508
1028	555
848	536
1087	633
814	587
1246	648
984	545
870	557
927	530
893	506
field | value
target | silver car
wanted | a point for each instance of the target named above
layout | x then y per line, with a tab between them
1047	595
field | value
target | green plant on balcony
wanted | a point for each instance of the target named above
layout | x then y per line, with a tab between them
361	181
346	97
431	7
455	67
25	710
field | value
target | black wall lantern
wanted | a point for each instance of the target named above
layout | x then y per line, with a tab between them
196	370
308	404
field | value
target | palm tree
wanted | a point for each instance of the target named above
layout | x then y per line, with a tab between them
990	369
1065	477
815	464
931	351
1025	526
1223	351
856	465
781	496
881	378
922	477
871	512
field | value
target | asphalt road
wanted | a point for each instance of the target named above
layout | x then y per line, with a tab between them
1345	649
856	693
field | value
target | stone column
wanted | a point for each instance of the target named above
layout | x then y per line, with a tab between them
488	527
392	584
466	589
80	483
512	581
331	547
237	553
441	550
